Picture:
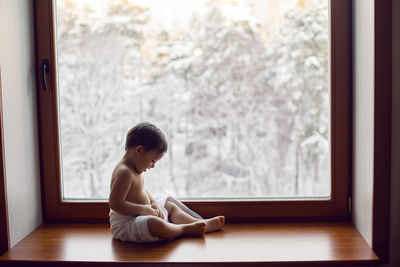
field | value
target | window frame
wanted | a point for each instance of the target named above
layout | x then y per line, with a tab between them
4	228
337	207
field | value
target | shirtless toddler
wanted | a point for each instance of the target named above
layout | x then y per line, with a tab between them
133	209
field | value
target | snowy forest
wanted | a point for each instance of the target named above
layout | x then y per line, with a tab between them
239	87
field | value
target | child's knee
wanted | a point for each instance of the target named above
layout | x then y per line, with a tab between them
170	206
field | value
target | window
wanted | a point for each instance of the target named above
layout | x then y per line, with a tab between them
56	115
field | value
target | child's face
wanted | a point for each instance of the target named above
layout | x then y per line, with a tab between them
147	159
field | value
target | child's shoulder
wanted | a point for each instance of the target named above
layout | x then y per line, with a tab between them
123	172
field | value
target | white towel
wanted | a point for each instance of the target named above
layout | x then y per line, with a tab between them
134	228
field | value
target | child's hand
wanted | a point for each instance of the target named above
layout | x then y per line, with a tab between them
160	213
149	210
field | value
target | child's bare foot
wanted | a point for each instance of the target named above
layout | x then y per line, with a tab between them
215	223
196	228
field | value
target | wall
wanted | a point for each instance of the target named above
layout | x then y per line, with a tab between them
19	113
363	71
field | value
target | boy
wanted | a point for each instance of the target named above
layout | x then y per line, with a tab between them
134	214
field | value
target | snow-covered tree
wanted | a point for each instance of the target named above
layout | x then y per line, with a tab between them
229	97
244	115
300	78
97	62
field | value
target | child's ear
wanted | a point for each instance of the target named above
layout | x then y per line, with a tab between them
139	149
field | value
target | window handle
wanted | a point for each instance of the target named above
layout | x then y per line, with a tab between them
44	68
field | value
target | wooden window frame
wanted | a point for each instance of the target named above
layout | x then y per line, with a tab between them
4	229
337	207
382	129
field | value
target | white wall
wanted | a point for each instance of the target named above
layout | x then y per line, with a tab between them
19	113
363	62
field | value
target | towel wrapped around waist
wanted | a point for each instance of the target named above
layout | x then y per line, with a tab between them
134	228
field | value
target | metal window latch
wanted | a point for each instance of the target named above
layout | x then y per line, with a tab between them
44	68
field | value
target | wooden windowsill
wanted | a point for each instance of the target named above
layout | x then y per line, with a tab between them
275	244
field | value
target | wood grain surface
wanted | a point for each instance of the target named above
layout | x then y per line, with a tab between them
289	242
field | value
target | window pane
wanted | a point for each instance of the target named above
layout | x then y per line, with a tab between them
240	88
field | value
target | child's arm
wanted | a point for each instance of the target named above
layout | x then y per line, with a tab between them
155	205
118	194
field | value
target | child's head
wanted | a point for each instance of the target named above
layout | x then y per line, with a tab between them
148	145
147	135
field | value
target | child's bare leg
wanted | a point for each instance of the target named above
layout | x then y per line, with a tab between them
164	230
178	216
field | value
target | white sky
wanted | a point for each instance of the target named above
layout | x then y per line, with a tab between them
173	13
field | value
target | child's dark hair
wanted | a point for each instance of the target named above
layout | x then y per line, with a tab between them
147	135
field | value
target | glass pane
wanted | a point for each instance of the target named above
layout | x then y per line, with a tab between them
240	88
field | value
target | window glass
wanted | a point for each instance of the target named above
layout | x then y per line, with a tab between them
240	88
